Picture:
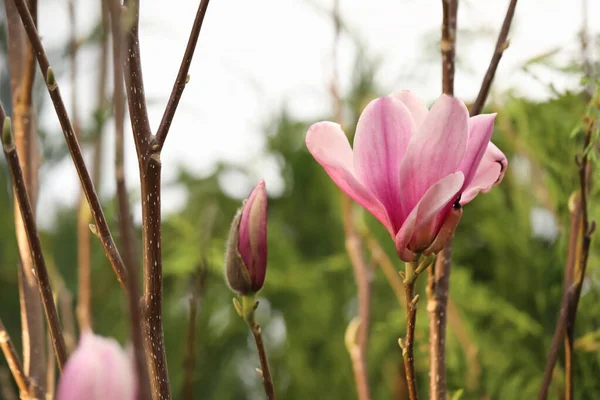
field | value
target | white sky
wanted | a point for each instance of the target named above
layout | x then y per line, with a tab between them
255	56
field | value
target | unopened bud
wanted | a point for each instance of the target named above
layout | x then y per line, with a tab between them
246	254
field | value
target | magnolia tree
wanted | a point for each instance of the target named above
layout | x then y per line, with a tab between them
411	166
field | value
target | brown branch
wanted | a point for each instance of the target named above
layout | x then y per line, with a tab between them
125	222
501	45
39	264
126	229
88	186
182	76
246	310
136	95
448	45
152	300
13	361
22	68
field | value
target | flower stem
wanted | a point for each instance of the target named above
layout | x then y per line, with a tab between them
248	307
411	321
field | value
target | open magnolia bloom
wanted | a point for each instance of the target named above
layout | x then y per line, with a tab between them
412	168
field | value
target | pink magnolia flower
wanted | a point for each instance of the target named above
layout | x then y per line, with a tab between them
246	258
410	165
97	370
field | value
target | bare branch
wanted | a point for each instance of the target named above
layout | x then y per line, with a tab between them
22	71
35	245
88	186
501	45
125	223
136	95
182	76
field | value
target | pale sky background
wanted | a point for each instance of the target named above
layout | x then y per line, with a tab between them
253	57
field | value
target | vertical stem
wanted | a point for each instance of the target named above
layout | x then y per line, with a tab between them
248	307
264	364
22	66
411	322
153	293
125	222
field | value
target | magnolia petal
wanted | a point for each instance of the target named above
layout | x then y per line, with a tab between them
417	108
480	133
329	146
489	174
435	151
433	201
382	135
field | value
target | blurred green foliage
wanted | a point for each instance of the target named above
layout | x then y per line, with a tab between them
506	285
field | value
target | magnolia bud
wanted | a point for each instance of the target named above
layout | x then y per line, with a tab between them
246	255
98	369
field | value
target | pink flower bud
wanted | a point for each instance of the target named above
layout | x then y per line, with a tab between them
246	257
98	369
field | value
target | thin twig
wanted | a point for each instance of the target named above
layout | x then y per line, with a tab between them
22	71
86	181
126	229
13	361
501	45
35	245
411	321
264	365
125	222
246	310
182	76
